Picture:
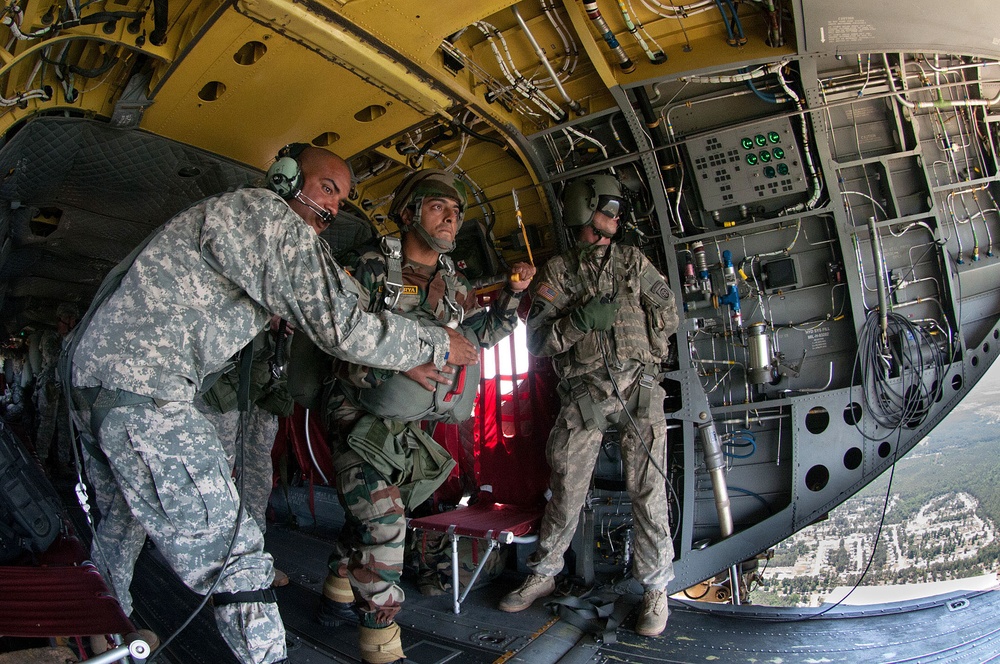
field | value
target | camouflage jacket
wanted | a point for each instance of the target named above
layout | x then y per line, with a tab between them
209	282
423	297
647	315
49	346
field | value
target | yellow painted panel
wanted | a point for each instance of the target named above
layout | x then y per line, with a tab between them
290	94
415	28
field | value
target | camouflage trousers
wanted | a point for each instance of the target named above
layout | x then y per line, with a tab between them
252	458
166	476
371	546
572	451
52	423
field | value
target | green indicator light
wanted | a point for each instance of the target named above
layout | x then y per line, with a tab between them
760	140
778	153
783	169
747	144
751	158
769	171
773	136
765	156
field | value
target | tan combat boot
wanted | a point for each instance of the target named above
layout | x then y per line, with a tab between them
280	579
534	586
336	604
380	646
652	618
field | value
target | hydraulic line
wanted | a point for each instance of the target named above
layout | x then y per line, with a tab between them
573	104
774	36
678	11
656	57
659	139
816	183
522	85
734	29
594	14
715	464
883	304
570	52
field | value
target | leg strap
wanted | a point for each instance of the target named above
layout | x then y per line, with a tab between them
646	382
266	595
581	396
380	646
338	589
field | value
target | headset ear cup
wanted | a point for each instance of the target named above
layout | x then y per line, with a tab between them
285	177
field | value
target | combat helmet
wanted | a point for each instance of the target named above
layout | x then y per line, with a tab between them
429	182
589	194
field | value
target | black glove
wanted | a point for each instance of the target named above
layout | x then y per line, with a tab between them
596	314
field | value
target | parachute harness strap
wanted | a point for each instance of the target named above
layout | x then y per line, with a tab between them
392	248
457	315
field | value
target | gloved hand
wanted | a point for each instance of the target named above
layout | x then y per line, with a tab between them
596	314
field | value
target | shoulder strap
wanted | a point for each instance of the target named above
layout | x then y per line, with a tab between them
450	279
392	249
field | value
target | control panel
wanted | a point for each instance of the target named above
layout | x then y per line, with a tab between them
751	164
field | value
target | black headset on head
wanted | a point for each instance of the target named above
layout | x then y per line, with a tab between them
284	177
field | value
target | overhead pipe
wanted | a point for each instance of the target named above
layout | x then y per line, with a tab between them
657	57
570	52
594	14
573	104
938	103
659	139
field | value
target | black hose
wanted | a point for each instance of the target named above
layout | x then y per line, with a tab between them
160	17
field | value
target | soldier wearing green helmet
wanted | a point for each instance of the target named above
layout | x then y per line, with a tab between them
371	412
603	313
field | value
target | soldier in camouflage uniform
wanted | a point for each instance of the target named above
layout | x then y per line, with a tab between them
603	313
365	567
200	290
53	420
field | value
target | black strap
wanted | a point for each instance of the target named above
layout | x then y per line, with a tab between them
101	401
266	595
597	613
243	386
278	361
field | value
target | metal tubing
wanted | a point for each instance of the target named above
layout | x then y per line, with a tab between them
573	104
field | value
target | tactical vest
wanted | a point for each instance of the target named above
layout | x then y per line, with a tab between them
646	318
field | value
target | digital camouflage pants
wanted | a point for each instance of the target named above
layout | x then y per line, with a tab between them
572	453
166	476
252	458
371	546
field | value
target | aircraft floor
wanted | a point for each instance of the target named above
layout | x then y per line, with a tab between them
958	628
955	628
432	633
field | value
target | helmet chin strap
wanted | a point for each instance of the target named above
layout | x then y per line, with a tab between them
440	246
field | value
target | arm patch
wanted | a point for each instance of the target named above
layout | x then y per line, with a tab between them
545	291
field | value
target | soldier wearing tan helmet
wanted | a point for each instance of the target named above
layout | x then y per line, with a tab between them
603	313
